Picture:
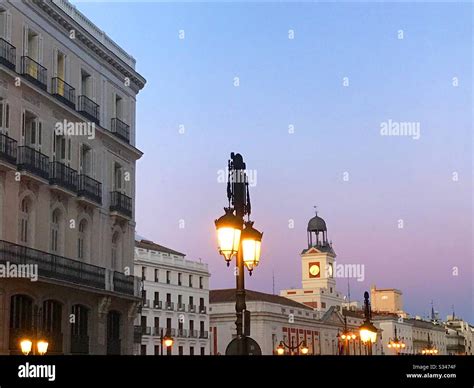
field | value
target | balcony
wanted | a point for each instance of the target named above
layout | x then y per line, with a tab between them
192	308
7	54
146	330
34	72
63	176
125	284
193	333
137	334
146	303
79	344
169	306
120	129
182	333
63	92
89	189
203	334
202	309
8	149
121	204
88	109
157	304
54	267
33	161
181	307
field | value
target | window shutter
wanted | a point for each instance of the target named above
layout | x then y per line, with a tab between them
25	40
93	164
7	116
40	134
23	125
55	62
8	35
40	49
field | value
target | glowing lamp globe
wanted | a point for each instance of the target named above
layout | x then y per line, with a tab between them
229	229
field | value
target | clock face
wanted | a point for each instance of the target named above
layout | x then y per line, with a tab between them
314	270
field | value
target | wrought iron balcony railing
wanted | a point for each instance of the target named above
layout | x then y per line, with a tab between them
193	333
33	161
183	333
157	304
7	54
120	203
124	284
54	267
203	334
89	188
8	149
34	72
88	108
62	175
63	92
202	309
169	305
120	129
192	308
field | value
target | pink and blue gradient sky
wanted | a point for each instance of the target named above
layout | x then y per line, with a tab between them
299	82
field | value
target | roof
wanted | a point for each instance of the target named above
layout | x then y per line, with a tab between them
228	295
316	224
150	245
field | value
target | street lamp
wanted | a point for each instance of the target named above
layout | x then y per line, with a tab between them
346	337
165	340
396	343
367	331
300	347
430	350
243	243
26	346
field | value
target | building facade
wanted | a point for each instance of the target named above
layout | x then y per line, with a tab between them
67	180
275	318
388	300
317	268
175	302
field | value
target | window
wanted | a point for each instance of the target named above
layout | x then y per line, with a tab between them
60	70
31	130
201	302
117	177
157	297
21	313
32	48
118	107
191	302
203	351
3	24
179	278
191	325
24	220
330	290
180	300
157	275
157	324
81	240
200	282
168	277
157	350
323	305
143	273
169	350
201	327
190	280
55	220
180	350
191	350
143	322
143	350
85	162
144	296
86	84
4	116
168	298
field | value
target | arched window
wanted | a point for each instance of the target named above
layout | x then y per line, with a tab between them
52	325
21	320
25	211
116	251
55	231
82	245
80	330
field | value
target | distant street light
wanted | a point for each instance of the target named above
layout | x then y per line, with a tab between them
368	332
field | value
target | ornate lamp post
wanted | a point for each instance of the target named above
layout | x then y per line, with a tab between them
396	343
239	238
430	350
299	347
165	341
368	332
38	343
345	339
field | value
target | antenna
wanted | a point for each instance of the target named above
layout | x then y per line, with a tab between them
316	209
273	281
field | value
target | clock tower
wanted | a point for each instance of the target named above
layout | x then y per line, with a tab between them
317	268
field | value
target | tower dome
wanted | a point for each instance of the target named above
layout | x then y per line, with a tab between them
317	232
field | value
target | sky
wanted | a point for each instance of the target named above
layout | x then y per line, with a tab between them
306	113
